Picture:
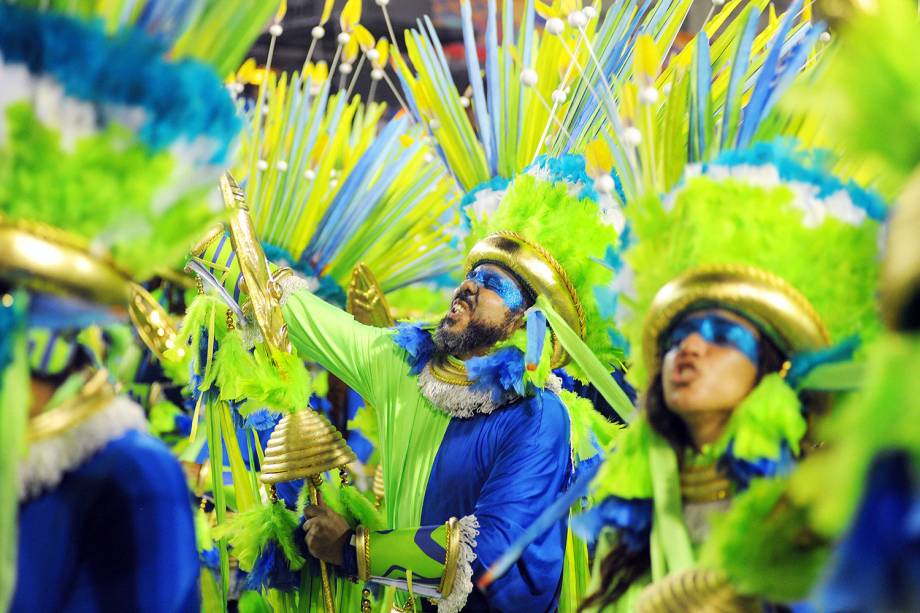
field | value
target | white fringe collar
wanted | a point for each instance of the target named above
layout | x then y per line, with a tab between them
456	400
48	460
462	401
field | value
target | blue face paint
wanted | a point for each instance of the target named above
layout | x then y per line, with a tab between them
503	285
715	330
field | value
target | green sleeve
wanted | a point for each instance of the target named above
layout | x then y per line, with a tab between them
364	357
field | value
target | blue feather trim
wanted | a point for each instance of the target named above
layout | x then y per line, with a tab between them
536	337
271	571
182	100
571	169
631	517
417	343
877	566
810	167
210	558
501	372
806	361
742	472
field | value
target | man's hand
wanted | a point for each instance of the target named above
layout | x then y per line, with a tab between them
326	531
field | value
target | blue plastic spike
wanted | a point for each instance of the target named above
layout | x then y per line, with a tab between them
474	73
702	97
740	64
492	84
753	111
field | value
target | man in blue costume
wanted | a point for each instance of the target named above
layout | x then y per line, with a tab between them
470	419
108	152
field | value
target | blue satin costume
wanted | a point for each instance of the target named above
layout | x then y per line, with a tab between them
115	535
505	468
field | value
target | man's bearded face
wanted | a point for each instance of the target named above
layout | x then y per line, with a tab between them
483	312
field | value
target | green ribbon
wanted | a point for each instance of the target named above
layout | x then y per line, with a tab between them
671	548
597	373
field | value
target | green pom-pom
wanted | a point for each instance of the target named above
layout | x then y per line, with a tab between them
764	546
729	221
107	188
249	532
233	363
626	472
770	415
587	425
361	510
883	415
278	382
162	418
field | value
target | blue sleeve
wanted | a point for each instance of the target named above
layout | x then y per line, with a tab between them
139	549
531	468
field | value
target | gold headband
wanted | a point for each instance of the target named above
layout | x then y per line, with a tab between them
542	274
777	308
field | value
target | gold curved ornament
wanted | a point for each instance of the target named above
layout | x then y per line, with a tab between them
451	557
366	300
544	276
694	591
152	322
263	291
899	285
96	394
771	303
48	259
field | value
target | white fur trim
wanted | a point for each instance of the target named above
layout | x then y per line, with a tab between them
463	582
48	460
455	400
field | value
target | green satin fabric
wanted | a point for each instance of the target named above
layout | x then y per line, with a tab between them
14	411
598	374
367	360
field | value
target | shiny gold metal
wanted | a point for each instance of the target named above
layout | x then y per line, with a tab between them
777	308
303	445
899	285
544	276
48	259
703	484
96	394
151	321
366	300
449	369
263	291
363	549
451	558
377	486
694	591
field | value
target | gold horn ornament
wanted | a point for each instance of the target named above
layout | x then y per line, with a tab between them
304	445
263	290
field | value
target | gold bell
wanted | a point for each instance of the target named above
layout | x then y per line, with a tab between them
304	444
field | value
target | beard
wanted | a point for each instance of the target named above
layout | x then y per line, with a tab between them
475	336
